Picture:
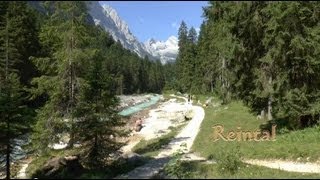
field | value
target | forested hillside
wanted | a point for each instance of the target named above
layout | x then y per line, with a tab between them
60	74
264	53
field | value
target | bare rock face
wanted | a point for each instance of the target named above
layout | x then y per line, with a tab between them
108	18
61	166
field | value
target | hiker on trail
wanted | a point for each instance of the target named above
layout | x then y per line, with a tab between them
138	125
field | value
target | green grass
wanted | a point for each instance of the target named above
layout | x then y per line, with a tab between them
200	170
290	146
152	147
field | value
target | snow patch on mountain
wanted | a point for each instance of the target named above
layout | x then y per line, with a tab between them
108	18
167	51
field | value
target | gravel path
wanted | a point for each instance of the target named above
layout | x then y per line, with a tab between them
286	165
169	113
183	141
22	173
186	137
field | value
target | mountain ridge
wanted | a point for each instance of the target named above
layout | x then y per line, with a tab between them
108	18
110	21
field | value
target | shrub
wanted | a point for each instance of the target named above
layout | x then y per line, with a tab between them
175	167
229	161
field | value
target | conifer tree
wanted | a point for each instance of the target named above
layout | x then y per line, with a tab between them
13	112
66	31
98	118
182	38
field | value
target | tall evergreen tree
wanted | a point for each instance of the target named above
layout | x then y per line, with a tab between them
265	54
13	117
63	70
96	111
183	39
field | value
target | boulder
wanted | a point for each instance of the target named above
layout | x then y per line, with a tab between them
138	128
131	159
189	115
135	159
68	164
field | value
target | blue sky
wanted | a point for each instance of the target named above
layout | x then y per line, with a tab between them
158	19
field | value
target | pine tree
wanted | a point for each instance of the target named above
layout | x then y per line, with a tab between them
66	31
183	39
13	117
96	112
205	68
292	61
273	62
182	35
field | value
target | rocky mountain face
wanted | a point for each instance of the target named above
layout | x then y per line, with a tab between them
108	18
166	51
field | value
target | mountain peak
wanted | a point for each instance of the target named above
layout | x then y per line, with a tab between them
109	19
112	13
165	50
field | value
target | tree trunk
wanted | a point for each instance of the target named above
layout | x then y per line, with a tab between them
223	80
71	85
8	152
228	92
7	47
270	101
8	123
222	72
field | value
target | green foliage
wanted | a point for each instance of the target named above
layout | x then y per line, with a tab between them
131	73
185	62
63	73
81	70
263	53
153	147
200	170
14	115
174	168
96	111
229	161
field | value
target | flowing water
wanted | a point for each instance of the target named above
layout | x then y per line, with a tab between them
19	153
130	110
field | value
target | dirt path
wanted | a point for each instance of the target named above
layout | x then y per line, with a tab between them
158	122
185	138
183	141
22	173
289	166
286	165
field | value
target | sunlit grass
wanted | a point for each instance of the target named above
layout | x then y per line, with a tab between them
302	144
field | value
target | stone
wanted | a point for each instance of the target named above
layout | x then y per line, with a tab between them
54	166
135	159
